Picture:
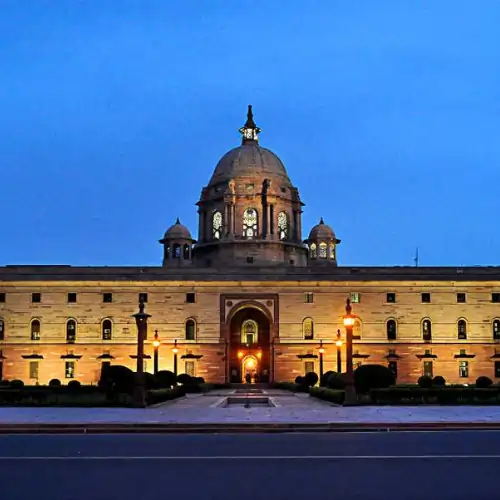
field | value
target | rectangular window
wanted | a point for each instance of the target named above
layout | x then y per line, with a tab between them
36	298
308	297
355	297
393	366
34	369
308	366
143	297
107	297
189	368
190	298
463	369
495	297
2	297
69	369
71	298
426	298
428	369
497	369
391	297
461	297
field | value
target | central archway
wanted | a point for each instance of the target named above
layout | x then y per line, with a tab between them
249	353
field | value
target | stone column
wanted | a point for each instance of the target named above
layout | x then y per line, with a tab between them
271	220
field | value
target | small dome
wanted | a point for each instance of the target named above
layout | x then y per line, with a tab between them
177	232
322	231
249	160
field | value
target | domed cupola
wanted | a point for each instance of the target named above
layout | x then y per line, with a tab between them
322	244
177	245
250	213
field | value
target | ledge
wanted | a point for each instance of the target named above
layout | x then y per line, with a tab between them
32	356
191	356
307	356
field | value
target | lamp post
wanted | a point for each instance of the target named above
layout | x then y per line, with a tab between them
321	351
349	319
141	320
156	345
175	350
338	343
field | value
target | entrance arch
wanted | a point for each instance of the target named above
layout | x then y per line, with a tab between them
249	346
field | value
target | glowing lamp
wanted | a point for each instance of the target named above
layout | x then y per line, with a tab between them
348	321
240	354
259	355
338	343
250	363
156	344
321	350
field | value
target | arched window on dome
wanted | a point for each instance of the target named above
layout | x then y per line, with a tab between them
283	225
177	251
185	252
314	250
216	225
322	250
332	251
250	220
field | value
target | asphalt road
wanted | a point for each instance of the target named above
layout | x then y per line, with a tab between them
406	465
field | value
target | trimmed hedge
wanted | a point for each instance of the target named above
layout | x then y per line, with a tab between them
290	386
330	395
161	395
436	395
368	377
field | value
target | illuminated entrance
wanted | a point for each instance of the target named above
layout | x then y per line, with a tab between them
250	369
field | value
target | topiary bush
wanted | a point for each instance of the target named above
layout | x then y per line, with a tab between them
55	382
438	381
199	380
4	383
311	379
368	377
300	380
323	381
149	381
335	381
165	379
17	384
483	382
185	379
74	385
117	379
425	382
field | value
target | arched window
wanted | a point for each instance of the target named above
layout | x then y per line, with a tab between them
392	329
496	329
332	251
216	225
462	329
107	329
190	329
2	329
250	223
322	250
308	329
186	252
249	332
283	225
314	251
356	329
168	252
177	251
427	330
35	329
70	331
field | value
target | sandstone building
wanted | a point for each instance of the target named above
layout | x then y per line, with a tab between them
250	295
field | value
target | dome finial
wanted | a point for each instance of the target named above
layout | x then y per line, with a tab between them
177	221
321	221
250	131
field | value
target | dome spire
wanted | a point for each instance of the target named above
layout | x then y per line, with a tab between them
249	131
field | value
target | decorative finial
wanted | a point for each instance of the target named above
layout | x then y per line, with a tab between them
177	222
348	307
321	221
250	131
141	306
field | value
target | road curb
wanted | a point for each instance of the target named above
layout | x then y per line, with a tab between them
215	428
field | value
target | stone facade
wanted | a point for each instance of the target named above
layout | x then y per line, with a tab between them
249	294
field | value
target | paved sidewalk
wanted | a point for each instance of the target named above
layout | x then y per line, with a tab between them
292	409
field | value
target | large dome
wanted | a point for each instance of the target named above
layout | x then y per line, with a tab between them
249	160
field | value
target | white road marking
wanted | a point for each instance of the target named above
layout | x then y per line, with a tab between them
266	457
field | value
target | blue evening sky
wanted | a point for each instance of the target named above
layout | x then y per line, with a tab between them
386	114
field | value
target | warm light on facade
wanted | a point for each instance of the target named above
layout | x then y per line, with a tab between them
250	363
348	321
240	354
321	350
156	344
259	355
338	343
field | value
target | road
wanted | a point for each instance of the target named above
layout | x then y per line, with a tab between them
406	465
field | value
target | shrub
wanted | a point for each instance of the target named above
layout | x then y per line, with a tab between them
323	381
311	379
149	381
55	382
74	386
4	383
368	377
161	395
117	379
425	382
185	379
300	380
438	381
331	395
483	382
199	380
335	381
165	379
17	384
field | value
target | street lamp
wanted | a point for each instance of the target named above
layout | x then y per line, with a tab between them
141	320
338	343
349	319
175	350
321	351
156	345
